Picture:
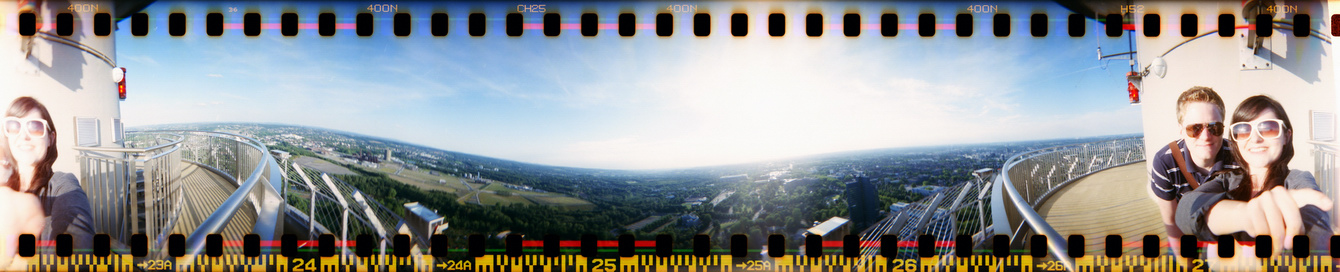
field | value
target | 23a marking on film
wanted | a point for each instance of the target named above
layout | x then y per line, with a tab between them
155	265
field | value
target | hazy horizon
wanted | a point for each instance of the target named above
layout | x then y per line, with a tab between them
798	157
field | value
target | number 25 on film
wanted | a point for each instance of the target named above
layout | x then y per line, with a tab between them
604	265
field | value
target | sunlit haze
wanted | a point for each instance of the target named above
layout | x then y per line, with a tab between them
641	102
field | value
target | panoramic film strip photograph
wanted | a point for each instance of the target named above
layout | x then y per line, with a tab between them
632	136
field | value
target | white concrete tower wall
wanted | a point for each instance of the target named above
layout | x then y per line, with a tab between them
1301	76
71	82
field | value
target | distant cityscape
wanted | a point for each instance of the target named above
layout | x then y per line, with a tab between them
820	194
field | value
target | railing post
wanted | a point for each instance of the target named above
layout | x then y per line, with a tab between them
344	233
311	213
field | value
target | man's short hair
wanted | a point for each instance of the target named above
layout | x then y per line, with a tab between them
1198	94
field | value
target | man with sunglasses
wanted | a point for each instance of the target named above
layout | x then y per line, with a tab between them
1184	164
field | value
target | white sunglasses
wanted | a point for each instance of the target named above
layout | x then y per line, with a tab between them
37	128
1266	129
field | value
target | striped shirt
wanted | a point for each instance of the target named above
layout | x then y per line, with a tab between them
1166	179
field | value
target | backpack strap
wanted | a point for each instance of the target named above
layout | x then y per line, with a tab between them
1181	165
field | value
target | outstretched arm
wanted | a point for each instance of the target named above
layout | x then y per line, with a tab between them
1168	212
23	214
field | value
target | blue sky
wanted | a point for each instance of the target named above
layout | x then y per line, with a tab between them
639	102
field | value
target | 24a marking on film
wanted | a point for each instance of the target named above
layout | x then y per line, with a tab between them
454	265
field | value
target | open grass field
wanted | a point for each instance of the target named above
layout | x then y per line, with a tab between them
642	223
422	180
490	199
429	187
476	193
549	199
565	202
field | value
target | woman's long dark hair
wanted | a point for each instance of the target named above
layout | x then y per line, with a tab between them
1279	169
42	173
13	180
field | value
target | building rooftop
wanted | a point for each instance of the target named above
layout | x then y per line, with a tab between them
828	226
423	212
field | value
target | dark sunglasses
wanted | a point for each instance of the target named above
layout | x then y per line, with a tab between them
1216	129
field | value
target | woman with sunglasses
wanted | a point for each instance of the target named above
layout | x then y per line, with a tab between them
32	142
1263	197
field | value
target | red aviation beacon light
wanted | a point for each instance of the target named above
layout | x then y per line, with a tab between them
119	76
1131	90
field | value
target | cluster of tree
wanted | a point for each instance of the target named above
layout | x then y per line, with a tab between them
293	150
468	219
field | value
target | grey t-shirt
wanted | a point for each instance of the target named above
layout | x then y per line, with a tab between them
1195	205
67	211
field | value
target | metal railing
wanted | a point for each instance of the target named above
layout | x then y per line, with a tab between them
953	211
133	190
1326	156
333	206
1031	177
255	172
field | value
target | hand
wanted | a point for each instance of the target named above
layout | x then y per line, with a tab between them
1276	213
1175	243
22	214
